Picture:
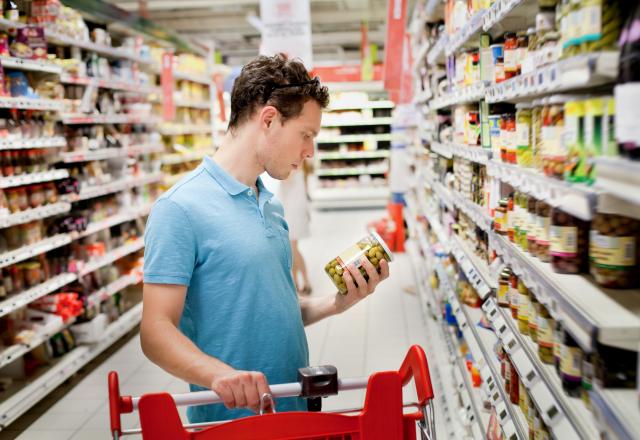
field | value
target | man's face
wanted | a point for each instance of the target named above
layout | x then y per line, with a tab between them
289	144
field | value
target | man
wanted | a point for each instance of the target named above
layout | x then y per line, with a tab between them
220	306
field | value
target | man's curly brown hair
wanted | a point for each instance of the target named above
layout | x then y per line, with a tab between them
254	88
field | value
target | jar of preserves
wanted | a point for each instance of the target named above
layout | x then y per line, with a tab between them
510	55
569	247
536	134
545	335
509	137
532	227
524	223
571	366
614	251
534	309
371	247
36	196
543	211
513	295
524	304
521	52
554	155
503	288
523	135
500	218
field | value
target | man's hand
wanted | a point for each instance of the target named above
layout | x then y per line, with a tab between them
241	389
357	287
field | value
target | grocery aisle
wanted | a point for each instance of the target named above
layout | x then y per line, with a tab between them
372	336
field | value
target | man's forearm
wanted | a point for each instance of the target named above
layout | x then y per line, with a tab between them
167	347
317	308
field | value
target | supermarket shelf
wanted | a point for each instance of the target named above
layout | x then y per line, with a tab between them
476	271
34	391
577	199
510	15
184	129
16	351
22	299
420	54
328	198
74	119
112	256
585	308
24	144
116	286
469	33
34	214
619	177
355	86
481	342
361	105
567	417
183	76
476	212
422	97
354	138
116	219
351	122
618	410
112	84
115	186
172	159
109	153
353	171
23	103
30	65
581	71
472	93
29	178
202	105
371	154
32	250
472	153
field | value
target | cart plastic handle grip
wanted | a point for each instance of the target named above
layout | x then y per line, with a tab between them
117	404
415	366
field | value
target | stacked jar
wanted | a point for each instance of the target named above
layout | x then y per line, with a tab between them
569	247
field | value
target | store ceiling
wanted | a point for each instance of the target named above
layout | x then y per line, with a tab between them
335	25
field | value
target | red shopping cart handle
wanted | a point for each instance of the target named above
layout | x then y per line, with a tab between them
414	366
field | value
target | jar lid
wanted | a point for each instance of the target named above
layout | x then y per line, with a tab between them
383	244
523	106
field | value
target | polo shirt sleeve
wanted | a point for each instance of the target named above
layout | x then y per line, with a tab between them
170	245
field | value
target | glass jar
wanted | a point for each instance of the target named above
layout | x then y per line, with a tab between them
510	55
514	391
573	140
32	273
569	247
523	135
503	288
36	196
524	224
51	192
536	135
545	335
534	309
524	303
513	295
543	212
511	220
554	155
371	247
509	137
500	218
558	342
532	226
571	366
587	378
614	251
521	51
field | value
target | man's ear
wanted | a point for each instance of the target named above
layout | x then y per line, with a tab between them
268	115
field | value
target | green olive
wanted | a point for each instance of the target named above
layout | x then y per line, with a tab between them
332	271
379	255
337	278
339	271
375	261
371	253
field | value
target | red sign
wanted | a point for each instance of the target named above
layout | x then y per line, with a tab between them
348	73
393	48
166	80
406	87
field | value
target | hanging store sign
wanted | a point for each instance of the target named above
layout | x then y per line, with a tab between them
286	27
166	81
393	48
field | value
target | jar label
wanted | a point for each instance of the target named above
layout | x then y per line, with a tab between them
522	134
571	362
564	241
545	332
351	255
550	141
627	113
612	252
591	23
503	294
524	303
542	235
510	60
532	229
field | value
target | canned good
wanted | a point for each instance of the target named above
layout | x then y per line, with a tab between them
371	247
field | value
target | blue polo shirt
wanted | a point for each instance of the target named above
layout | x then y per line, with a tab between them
232	251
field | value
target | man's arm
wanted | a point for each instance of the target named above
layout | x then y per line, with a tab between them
316	309
165	345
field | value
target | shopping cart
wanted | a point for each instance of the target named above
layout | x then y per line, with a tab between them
381	418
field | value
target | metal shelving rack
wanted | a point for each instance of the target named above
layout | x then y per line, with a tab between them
369	161
591	314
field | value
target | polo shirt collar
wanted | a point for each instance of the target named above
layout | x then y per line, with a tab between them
230	184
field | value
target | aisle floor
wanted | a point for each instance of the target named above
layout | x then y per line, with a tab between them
372	336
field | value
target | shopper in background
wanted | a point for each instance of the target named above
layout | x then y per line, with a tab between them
293	195
220	306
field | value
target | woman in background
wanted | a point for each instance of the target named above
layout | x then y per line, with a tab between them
293	195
